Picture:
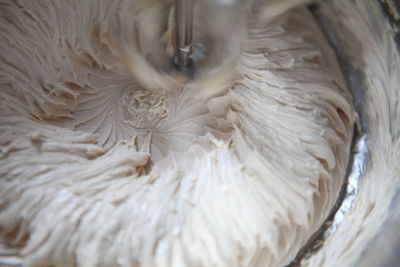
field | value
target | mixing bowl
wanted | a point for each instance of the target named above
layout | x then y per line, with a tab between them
364	230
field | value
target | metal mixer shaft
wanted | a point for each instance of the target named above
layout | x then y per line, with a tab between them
183	34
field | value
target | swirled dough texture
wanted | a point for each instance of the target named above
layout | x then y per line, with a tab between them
101	169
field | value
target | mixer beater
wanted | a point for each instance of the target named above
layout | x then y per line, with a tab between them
183	35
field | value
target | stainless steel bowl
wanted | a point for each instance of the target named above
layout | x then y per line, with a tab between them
364	230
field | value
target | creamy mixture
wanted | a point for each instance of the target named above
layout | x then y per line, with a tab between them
106	161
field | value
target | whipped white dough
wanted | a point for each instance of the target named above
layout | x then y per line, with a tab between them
103	164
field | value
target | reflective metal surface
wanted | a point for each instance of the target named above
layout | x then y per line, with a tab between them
375	175
183	33
363	230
